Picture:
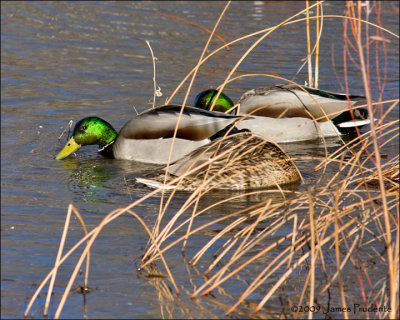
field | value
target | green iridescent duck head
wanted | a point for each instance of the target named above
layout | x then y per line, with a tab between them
90	130
205	99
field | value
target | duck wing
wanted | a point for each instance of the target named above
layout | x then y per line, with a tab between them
204	153
246	161
292	101
195	124
322	93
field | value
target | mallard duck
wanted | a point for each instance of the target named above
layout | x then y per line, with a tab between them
236	162
284	113
148	136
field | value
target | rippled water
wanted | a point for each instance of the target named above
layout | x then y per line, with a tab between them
62	61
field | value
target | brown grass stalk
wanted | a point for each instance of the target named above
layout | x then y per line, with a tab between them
338	264
313	241
111	216
196	25
183	105
319	22
389	244
153	59
309	61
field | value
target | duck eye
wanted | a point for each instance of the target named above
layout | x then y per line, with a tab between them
84	127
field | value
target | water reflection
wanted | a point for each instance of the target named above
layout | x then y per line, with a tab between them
85	179
100	179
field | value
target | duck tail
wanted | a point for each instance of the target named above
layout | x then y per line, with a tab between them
349	120
154	184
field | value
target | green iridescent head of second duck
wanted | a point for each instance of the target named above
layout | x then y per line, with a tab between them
89	130
205	99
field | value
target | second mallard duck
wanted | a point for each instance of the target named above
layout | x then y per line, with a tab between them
289	113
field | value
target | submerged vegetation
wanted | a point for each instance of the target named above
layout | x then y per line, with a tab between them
344	226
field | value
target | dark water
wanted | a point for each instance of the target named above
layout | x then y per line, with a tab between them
62	61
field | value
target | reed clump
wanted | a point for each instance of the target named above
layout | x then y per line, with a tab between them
274	258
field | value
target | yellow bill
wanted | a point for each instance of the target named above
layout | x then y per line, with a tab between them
69	148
